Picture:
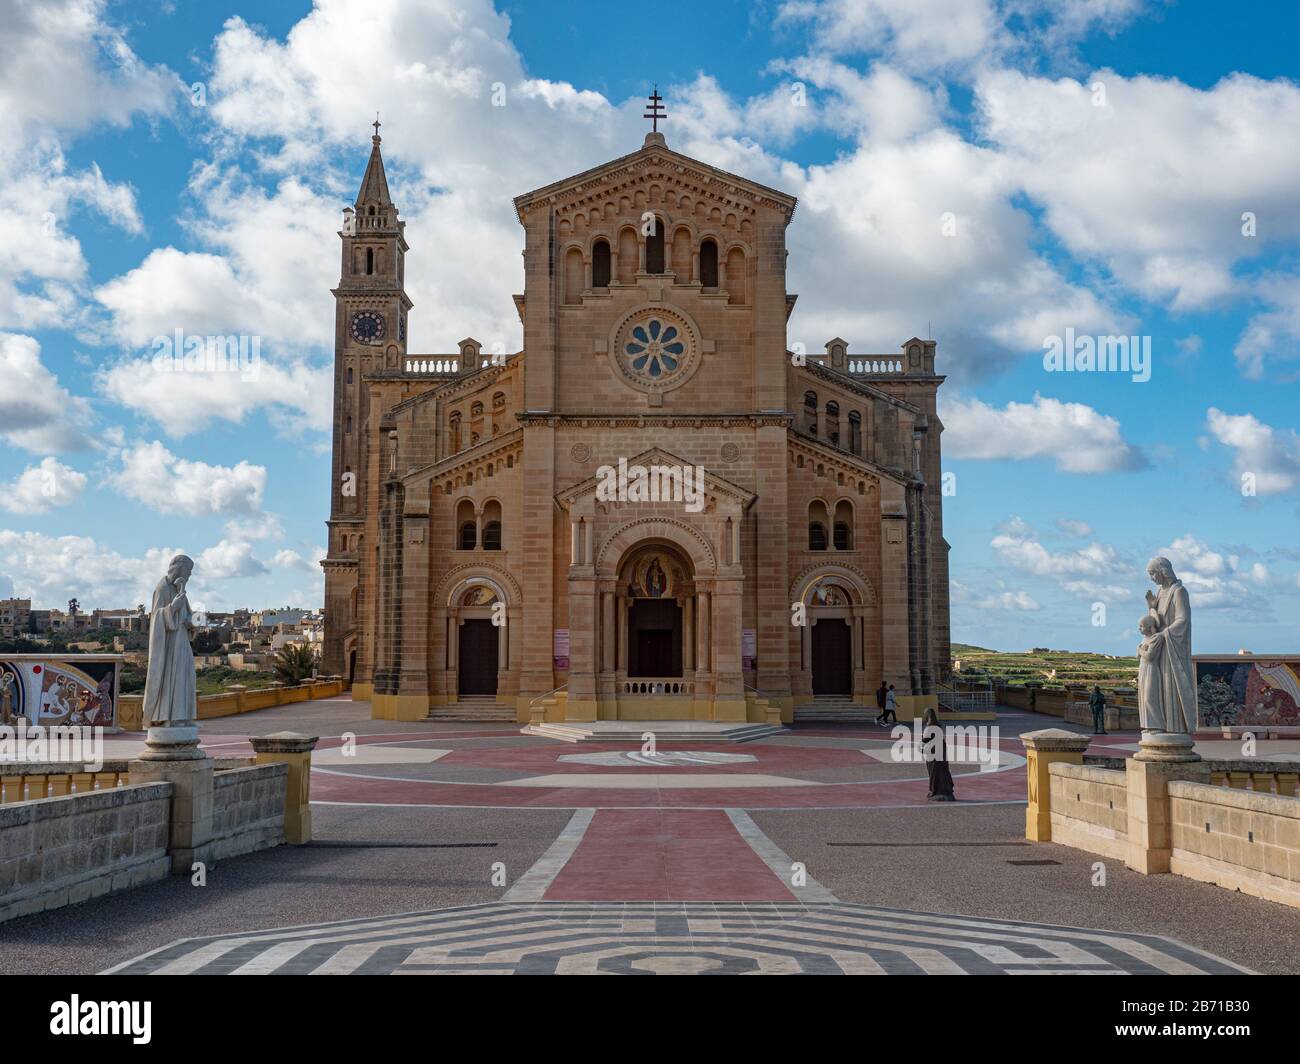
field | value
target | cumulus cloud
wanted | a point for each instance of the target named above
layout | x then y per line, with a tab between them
1071	527
1084	571
1215	580
36	412
40	488
52	569
1076	437
291	559
151	474
1269	457
229	558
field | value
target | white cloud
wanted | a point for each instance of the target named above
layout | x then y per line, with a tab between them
291	559
151	474
1269	456
1071	527
1083	572
36	412
1008	600
52	569
1143	184
40	488
1078	438
1215	581
229	558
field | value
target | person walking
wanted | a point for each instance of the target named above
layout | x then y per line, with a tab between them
891	707
1097	702
881	692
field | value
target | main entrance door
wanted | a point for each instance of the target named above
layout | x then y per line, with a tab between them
654	637
477	663
832	661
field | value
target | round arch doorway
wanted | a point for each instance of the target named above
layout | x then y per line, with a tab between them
831	638
478	642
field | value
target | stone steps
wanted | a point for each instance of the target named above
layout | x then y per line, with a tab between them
485	711
834	711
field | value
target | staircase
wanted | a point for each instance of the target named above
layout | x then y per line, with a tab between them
834	709
486	710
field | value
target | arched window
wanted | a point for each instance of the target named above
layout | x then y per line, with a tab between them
492	526
833	423
810	413
600	264
349	374
709	264
654	248
370	260
843	530
818	519
855	432
455	433
466	525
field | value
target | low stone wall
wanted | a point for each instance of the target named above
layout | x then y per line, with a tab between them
1242	840
247	809
1089	809
232	703
60	851
1114	717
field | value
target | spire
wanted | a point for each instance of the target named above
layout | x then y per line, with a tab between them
374	186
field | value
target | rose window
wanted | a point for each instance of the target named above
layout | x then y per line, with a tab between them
654	348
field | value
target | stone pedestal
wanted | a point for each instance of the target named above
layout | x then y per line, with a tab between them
294	750
172	755
1042	748
1161	757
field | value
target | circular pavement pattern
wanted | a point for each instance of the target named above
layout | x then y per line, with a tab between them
676	938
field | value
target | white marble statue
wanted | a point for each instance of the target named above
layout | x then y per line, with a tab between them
169	686
1167	684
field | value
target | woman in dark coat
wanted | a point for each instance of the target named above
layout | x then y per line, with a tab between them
936	758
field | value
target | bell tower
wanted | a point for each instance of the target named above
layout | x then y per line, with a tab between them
371	307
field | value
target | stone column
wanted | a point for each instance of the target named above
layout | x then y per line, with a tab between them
607	639
294	750
1042	748
688	634
1161	757
703	659
624	604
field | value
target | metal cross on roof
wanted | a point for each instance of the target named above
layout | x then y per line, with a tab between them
376	123
656	110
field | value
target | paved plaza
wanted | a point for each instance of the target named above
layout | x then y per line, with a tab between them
444	847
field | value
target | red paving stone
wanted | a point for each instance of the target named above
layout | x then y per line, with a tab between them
665	855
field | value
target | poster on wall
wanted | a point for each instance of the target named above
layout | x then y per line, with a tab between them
749	649
72	692
1248	691
561	649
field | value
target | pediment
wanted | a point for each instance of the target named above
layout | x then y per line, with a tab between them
715	487
656	162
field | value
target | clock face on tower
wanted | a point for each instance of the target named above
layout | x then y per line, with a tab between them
367	327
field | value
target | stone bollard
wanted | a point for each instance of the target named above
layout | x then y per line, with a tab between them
1042	748
294	750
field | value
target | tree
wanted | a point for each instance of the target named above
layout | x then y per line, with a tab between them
294	663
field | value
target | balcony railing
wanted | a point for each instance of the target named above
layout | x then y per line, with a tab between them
651	687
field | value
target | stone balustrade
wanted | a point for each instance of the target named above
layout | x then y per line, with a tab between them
26	783
667	686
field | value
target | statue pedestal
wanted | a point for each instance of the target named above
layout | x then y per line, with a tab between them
175	742
1167	748
1161	757
173	756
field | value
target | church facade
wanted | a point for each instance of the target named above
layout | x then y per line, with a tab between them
655	510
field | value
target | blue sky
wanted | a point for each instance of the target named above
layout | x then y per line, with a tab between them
183	166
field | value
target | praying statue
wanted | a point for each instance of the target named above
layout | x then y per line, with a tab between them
169	687
1167	677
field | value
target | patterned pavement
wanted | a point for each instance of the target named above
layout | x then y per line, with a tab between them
648	938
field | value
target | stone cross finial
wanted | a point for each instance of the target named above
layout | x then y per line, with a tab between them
655	110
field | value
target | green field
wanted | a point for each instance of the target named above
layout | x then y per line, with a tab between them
1044	666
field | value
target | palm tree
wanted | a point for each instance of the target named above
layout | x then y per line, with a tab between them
294	663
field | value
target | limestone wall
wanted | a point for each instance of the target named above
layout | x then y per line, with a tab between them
1089	808
60	851
232	703
1242	840
248	809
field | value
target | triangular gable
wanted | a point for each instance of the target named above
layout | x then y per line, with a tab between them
656	456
